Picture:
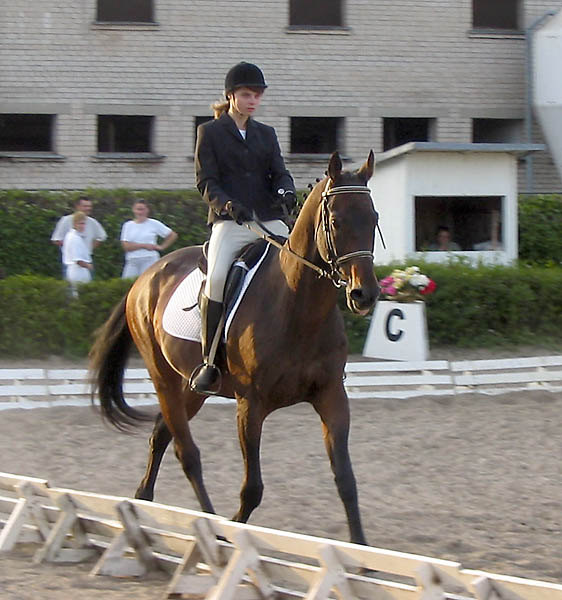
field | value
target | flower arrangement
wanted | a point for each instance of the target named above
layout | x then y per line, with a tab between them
408	285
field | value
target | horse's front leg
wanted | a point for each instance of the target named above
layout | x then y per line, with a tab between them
333	409
250	424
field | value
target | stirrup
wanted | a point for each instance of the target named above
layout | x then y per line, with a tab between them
205	379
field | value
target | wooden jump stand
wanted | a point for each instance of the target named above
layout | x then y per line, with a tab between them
211	558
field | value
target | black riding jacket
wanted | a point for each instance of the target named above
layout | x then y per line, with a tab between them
250	171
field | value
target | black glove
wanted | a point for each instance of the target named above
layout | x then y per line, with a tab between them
238	212
290	200
287	198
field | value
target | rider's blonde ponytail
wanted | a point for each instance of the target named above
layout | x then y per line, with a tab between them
219	107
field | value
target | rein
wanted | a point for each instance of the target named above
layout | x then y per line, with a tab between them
268	236
333	260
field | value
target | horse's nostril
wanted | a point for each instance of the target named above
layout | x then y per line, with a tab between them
357	294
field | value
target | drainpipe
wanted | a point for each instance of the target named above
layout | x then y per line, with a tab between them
529	109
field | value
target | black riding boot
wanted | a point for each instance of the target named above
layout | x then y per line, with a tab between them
206	378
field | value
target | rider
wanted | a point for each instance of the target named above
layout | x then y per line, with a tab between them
241	173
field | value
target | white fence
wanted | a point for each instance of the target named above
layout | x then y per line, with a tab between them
33	388
208	557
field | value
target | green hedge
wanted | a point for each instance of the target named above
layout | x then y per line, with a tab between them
29	218
39	317
484	306
540	229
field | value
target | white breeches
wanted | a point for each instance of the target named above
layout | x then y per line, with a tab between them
227	239
136	266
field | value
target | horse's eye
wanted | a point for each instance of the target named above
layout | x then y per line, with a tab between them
334	222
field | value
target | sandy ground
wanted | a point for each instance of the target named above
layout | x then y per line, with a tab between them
472	478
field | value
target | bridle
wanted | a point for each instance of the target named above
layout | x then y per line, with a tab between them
334	261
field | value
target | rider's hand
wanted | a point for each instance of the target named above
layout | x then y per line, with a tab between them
290	200
238	212
287	198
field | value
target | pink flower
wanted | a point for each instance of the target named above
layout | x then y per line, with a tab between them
389	290
387	281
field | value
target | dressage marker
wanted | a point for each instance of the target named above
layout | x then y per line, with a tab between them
131	538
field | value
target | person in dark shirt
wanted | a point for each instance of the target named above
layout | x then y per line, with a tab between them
241	174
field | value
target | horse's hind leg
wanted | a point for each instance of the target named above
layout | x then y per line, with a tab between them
250	425
159	441
178	405
333	409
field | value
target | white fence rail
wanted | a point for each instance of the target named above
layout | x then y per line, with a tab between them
33	388
133	537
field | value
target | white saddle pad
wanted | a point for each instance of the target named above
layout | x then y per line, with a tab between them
186	324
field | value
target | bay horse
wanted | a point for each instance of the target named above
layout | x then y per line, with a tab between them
286	344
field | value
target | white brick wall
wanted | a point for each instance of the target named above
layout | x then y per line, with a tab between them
400	58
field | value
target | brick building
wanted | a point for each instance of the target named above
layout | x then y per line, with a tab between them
108	93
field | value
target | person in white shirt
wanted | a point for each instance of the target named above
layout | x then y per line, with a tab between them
93	233
139	238
75	253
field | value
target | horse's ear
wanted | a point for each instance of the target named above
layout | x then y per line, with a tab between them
368	168
335	166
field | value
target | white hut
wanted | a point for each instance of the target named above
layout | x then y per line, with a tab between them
470	189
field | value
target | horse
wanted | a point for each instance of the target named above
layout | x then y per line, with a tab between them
286	344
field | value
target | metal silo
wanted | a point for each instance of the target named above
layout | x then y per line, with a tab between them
547	84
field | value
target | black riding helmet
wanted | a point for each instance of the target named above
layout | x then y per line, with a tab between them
244	75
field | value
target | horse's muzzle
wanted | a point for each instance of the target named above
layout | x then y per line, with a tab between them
361	299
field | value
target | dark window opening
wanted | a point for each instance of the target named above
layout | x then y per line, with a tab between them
315	135
125	11
315	13
200	121
119	133
495	14
506	131
473	222
398	131
26	133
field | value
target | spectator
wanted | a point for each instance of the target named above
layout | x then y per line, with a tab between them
494	242
139	238
75	253
444	242
93	233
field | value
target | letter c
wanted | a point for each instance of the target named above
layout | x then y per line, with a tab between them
393	337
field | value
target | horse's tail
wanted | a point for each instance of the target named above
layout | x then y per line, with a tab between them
108	359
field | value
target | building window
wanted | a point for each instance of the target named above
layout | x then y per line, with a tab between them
316	135
499	131
315	13
472	222
27	133
398	131
124	133
496	14
125	11
200	121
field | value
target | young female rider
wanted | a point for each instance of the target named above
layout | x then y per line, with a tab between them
240	172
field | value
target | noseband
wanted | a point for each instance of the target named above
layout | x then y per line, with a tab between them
333	260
